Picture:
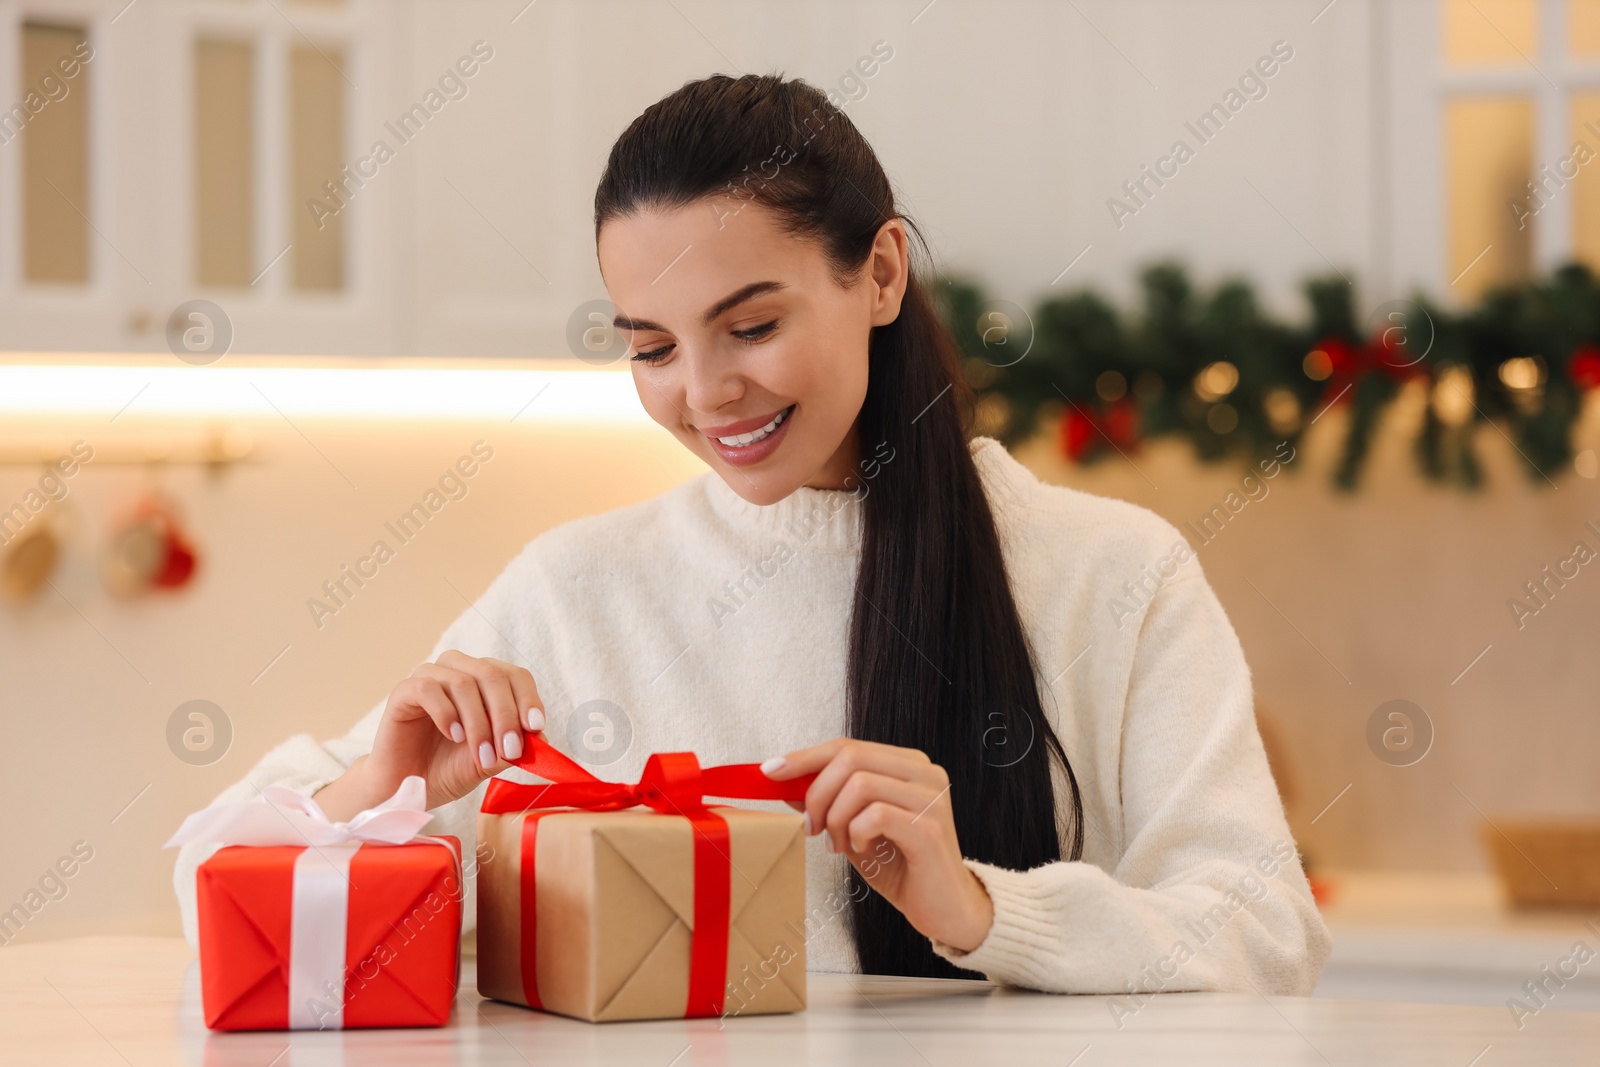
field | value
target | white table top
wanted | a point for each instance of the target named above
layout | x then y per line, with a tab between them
1448	938
135	1001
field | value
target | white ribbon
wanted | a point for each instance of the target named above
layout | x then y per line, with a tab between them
320	906
290	818
317	937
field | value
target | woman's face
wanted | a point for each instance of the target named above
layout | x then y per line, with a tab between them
743	345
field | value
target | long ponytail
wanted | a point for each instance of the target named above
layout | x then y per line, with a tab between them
938	658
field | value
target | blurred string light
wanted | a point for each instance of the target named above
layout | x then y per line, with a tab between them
1216	380
1453	395
1317	365
1283	409
1523	372
1222	418
524	393
1524	378
1111	386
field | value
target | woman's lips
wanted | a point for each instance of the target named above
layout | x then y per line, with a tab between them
734	429
756	452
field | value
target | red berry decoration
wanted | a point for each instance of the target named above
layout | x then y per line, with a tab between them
1343	358
1122	423
1584	366
1077	433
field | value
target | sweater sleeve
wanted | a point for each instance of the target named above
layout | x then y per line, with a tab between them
489	627
1207	892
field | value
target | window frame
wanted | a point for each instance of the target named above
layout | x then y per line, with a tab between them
142	173
1414	149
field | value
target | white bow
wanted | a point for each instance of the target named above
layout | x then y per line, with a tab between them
290	818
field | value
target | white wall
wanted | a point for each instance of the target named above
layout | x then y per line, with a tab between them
88	682
1006	126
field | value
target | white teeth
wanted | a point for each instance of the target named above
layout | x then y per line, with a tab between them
743	439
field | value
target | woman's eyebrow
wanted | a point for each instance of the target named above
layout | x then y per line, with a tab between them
622	322
737	297
733	299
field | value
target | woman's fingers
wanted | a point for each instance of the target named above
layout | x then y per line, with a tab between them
483	703
866	789
498	699
428	697
526	693
882	819
802	760
462	689
840	758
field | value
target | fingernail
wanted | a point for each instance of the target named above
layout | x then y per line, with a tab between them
457	734
806	824
535	718
511	744
773	765
485	755
829	838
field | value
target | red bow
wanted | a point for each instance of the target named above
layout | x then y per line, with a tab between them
673	783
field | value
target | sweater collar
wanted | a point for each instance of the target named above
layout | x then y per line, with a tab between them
830	520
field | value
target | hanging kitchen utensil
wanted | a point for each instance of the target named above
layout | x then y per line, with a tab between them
148	549
29	560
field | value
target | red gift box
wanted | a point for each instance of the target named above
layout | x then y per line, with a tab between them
402	930
310	924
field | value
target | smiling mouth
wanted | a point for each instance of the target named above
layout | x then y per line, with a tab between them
745	440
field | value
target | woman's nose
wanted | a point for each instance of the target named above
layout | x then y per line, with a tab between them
712	383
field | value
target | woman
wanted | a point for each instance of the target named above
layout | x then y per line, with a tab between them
1031	719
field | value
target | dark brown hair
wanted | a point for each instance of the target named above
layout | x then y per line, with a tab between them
938	659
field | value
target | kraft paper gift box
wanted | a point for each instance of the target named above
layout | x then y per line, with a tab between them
309	924
676	909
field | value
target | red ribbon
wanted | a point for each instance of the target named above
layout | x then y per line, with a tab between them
673	783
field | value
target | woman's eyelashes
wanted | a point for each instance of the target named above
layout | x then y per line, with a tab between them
756	333
751	336
655	356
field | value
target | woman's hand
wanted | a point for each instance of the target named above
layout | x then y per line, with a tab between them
888	809
455	722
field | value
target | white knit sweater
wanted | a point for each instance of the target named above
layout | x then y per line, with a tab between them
719	626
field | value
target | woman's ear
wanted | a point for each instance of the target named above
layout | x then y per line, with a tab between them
890	269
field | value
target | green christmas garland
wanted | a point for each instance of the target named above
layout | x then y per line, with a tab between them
1216	370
